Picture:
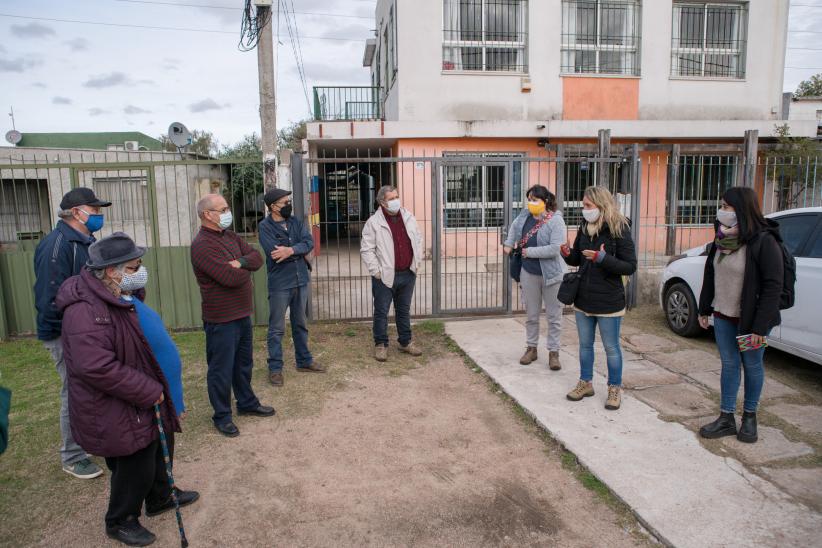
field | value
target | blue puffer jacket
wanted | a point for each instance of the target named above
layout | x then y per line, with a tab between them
550	237
59	256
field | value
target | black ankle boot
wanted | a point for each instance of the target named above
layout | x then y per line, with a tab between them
747	429
725	425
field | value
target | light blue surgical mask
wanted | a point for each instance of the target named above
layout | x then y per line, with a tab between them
226	219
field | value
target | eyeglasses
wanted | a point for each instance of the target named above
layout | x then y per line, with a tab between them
223	210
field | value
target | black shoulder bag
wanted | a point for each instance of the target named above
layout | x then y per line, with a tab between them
569	287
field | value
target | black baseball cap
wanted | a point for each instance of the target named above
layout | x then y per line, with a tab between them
81	196
116	249
273	195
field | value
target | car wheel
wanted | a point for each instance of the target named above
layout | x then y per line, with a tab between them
681	311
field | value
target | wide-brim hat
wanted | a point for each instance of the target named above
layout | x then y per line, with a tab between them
112	250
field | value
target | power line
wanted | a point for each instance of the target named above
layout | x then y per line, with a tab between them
808	49
804	68
230	8
152	27
297	56
806	31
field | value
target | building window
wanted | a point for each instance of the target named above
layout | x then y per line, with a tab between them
128	197
24	209
601	37
709	40
474	195
485	35
702	182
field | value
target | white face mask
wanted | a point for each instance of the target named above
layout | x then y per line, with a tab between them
393	206
591	215
727	218
225	220
133	282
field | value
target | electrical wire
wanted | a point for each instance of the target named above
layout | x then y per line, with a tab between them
300	67
252	25
230	8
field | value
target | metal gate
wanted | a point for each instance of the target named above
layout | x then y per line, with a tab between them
464	203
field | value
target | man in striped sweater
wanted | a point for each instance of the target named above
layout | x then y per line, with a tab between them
223	265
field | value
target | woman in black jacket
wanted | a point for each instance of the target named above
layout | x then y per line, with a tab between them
741	289
604	253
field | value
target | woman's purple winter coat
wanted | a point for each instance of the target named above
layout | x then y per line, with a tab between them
113	377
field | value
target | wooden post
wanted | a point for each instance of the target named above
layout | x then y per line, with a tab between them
673	200
603	154
751	149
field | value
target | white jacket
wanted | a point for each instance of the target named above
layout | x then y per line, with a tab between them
377	245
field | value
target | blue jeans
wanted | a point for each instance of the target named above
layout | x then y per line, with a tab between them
609	333
751	362
401	293
295	299
229	353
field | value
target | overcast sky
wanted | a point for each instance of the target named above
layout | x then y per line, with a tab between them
65	76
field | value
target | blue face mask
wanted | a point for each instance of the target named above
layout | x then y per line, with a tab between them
94	222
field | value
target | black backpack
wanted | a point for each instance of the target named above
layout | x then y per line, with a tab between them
788	297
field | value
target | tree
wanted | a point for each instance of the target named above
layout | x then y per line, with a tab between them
245	187
203	143
791	167
291	136
812	87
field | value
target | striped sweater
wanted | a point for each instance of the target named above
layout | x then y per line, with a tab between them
226	291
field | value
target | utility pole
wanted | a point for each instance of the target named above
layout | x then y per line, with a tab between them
268	103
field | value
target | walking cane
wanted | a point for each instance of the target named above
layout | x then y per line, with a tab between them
164	443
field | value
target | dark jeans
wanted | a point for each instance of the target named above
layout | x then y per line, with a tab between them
295	299
229	353
401	294
136	478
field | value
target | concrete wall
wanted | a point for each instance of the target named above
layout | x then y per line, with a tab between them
425	92
805	110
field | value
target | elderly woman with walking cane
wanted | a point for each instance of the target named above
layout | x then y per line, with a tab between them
122	404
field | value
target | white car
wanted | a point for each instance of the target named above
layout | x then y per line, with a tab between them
800	333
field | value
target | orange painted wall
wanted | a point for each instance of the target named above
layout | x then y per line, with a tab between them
600	98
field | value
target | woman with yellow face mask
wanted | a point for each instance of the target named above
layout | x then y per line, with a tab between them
538	232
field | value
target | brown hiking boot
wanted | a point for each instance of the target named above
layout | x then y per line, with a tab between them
411	348
381	353
275	378
614	397
312	367
553	361
583	389
530	355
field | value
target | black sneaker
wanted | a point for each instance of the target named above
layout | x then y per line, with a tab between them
184	498
131	533
725	425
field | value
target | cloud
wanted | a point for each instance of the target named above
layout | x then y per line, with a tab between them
32	30
206	104
131	109
19	64
330	73
171	64
107	80
61	100
96	111
39	85
77	44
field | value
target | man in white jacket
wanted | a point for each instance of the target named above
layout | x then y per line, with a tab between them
391	250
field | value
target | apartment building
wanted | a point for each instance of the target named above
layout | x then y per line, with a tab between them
512	85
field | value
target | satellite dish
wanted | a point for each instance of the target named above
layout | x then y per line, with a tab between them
13	136
179	135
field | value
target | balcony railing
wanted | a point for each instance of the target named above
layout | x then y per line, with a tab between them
348	103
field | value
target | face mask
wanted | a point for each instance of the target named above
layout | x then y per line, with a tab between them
94	222
393	206
591	215
536	208
727	218
133	282
226	220
286	210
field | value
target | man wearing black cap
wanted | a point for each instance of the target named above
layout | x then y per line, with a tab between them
59	256
286	242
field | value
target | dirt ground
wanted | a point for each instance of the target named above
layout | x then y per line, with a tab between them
424	457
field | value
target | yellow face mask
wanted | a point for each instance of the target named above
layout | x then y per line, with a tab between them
536	208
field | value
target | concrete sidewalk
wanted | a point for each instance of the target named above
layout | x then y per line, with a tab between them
685	494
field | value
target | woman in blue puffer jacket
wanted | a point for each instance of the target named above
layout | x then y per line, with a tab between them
538	232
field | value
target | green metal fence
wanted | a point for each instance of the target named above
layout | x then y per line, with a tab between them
153	202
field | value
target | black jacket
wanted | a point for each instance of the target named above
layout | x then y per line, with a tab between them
601	290
762	286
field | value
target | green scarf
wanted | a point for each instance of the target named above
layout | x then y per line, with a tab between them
727	241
